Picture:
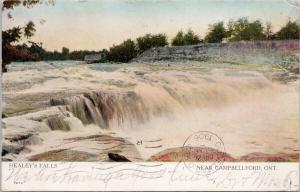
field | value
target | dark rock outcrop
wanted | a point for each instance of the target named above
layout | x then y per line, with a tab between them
11	148
118	158
24	139
4	152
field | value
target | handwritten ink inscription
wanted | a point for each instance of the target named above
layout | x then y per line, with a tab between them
106	175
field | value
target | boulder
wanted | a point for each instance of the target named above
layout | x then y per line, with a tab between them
63	155
192	154
118	158
3	115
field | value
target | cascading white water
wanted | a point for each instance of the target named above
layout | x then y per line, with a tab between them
176	92
162	105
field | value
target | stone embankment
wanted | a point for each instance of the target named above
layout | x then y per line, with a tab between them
284	53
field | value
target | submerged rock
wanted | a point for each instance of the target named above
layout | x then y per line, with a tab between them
4	152
55	102
293	68
22	138
17	138
284	77
13	148
58	123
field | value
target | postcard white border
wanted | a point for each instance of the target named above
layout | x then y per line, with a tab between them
99	176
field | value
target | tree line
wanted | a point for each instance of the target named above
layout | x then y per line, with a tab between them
235	30
239	30
35	52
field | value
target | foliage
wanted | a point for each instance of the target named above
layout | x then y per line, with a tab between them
19	53
65	52
123	52
8	51
189	38
216	34
239	30
242	29
268	31
10	4
13	35
178	39
148	41
290	31
29	29
39	53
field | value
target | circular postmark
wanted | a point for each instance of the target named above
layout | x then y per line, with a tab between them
205	147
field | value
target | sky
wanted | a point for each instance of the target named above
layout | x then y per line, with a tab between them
98	24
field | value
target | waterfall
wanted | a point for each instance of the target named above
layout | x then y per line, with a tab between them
105	108
57	123
108	109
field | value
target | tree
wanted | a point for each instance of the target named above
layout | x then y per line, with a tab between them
216	33
8	50
148	41
268	31
290	31
242	29
123	52
37	50
9	37
178	39
65	51
255	31
13	35
189	38
10	4
29	29
236	28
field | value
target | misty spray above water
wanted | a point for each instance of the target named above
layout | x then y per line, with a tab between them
163	108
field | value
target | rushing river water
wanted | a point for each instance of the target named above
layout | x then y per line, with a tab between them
148	106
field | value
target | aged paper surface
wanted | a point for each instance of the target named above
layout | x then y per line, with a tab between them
150	95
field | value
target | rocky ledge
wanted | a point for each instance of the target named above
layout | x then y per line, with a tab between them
202	154
98	147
